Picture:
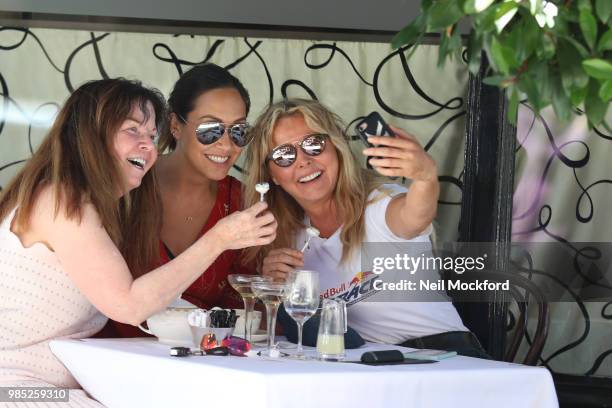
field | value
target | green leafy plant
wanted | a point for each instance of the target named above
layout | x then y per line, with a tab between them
550	52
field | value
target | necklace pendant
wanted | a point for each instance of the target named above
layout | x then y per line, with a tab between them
189	218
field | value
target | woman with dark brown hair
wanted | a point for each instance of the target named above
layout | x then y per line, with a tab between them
205	134
74	229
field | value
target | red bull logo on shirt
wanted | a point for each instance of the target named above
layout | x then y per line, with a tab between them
332	292
357	289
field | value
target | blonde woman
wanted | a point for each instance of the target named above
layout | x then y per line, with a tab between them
79	219
300	148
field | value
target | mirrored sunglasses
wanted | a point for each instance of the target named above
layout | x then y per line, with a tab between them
209	132
286	154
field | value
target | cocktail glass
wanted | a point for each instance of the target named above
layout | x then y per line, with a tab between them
271	294
242	285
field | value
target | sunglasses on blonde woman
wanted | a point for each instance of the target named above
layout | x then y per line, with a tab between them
286	154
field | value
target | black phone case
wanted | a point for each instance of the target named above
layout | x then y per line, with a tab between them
373	125
389	357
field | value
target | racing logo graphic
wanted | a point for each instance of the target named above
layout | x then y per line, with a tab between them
359	288
359	277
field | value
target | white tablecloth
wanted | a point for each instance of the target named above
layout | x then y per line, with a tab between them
140	373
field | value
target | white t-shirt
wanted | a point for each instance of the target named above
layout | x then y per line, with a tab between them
390	322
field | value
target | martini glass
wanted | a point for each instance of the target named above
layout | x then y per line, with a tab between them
242	285
271	294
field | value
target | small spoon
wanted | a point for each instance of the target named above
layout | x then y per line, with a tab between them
311	232
262	189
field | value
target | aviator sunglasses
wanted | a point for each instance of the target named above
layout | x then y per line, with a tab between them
209	132
286	154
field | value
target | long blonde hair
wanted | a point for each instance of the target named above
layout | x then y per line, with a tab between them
351	191
77	160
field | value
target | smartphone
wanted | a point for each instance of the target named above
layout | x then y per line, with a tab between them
389	357
373	125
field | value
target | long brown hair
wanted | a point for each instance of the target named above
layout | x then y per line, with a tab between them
77	160
351	191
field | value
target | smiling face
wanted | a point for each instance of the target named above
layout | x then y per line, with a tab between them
215	160
134	145
310	180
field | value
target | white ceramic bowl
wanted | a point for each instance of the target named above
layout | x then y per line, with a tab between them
171	327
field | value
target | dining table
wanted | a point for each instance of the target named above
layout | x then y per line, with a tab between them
140	372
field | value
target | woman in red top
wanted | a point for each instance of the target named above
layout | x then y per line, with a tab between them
206	133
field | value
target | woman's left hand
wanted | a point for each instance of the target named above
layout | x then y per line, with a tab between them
401	156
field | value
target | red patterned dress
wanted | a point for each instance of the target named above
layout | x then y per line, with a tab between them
211	288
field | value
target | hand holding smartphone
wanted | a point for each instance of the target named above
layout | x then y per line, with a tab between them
373	125
399	156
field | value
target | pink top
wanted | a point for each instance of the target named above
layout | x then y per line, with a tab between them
38	303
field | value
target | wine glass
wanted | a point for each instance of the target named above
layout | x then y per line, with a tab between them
271	294
301	300
242	285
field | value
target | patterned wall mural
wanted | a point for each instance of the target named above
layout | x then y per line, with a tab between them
563	179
